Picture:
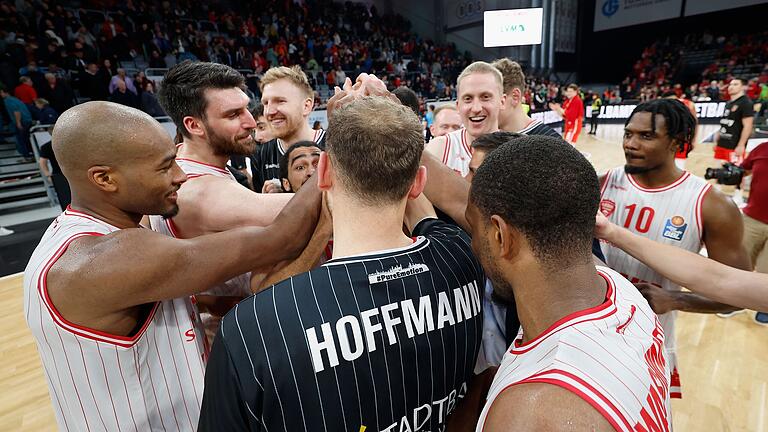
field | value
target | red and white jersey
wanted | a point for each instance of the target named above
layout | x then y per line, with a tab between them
610	355
670	215
457	152
237	286
151	380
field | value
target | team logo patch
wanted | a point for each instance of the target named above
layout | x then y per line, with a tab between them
607	207
675	228
396	272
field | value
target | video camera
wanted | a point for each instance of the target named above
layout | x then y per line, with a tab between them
729	174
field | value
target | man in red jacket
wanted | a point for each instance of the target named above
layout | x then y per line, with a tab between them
572	112
24	91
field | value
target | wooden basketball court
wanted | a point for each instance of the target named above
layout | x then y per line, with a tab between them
723	362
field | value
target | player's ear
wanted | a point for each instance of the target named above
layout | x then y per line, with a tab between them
418	183
286	185
504	237
103	177
193	125
324	176
309	103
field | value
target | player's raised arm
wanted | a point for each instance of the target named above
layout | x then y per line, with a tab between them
704	276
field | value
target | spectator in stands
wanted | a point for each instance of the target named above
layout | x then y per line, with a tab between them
43	112
121	76
92	85
58	93
25	91
148	100
713	91
123	96
38	78
21	120
156	61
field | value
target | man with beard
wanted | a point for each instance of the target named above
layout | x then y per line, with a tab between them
652	197
210	109
109	302
288	100
480	99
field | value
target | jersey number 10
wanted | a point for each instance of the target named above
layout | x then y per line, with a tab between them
644	218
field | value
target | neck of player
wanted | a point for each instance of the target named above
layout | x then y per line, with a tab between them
660	176
544	296
101	208
198	149
513	119
358	229
305	133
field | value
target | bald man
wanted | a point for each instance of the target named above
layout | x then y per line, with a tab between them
108	302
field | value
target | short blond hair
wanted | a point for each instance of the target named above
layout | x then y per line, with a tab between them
482	67
293	74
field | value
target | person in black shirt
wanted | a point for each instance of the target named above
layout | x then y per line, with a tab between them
382	337
54	175
288	100
736	125
124	96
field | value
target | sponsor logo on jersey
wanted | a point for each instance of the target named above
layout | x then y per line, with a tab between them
397	272
675	228
607	207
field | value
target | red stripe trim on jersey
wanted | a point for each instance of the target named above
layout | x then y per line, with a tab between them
172	227
607	180
610	416
78	330
445	149
193	176
464	142
71	212
604	310
221	170
698	212
672	185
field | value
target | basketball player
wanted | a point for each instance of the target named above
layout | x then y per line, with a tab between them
572	111
446	120
590	354
108	302
704	276
298	164
210	108
382	337
261	135
513	117
480	99
288	100
652	197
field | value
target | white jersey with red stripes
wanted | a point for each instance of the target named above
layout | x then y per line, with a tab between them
670	215
237	286
610	355
457	151
151	380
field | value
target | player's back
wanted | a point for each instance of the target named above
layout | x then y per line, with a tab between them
610	355
382	340
150	380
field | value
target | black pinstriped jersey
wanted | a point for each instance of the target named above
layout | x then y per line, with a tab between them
265	162
381	342
537	127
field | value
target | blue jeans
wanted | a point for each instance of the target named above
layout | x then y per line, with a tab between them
22	141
